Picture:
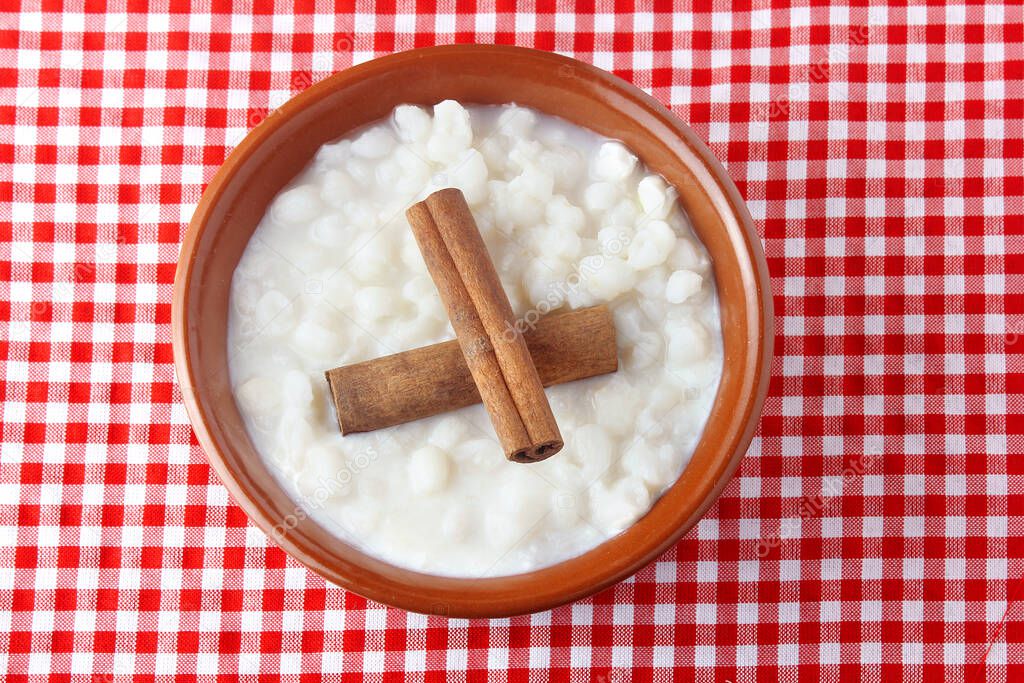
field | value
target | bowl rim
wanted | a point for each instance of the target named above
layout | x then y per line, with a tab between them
487	597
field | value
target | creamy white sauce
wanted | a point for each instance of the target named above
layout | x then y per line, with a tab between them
333	276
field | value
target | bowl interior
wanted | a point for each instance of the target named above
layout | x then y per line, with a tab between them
286	141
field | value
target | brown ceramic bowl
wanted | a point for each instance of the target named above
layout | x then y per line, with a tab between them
275	151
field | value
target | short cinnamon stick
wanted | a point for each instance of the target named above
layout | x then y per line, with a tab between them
412	385
481	315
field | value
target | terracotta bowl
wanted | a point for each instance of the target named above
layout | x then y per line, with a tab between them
276	150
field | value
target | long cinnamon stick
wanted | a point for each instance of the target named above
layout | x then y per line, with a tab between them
427	381
481	315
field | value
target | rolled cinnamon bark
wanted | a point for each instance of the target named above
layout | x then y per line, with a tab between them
480	313
411	385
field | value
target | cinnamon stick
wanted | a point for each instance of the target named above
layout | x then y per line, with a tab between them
481	315
411	385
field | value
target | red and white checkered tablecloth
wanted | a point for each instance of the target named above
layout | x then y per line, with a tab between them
876	527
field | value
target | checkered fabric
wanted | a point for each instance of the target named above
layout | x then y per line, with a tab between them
875	529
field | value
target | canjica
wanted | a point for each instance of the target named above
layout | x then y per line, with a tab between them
333	276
